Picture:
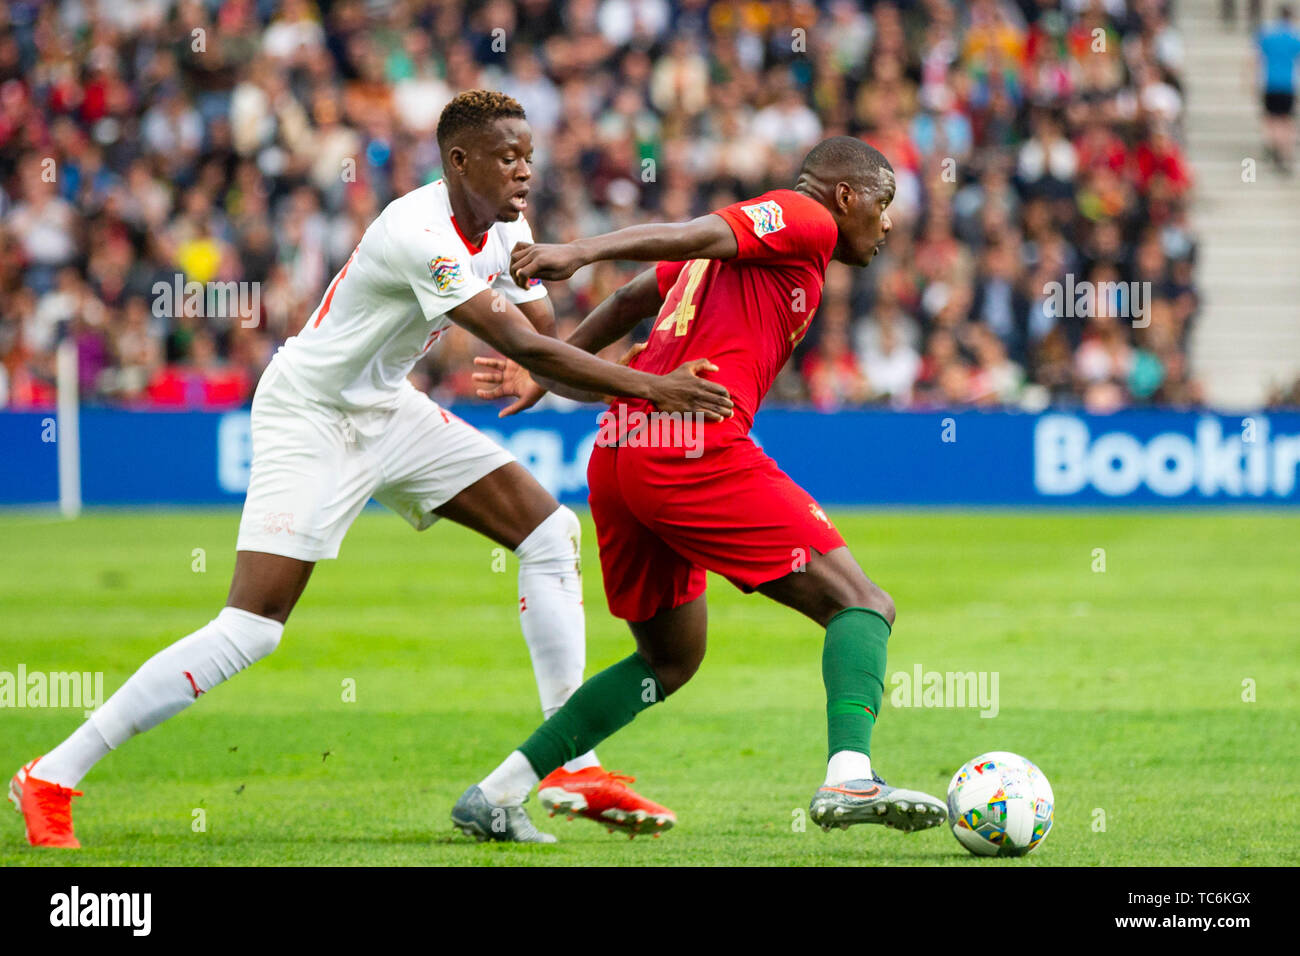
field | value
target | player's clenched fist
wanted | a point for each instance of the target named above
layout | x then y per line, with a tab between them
543	261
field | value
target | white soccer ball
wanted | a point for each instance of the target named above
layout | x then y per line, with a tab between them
1000	804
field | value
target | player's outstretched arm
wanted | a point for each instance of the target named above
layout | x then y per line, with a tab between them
614	318
509	332
708	237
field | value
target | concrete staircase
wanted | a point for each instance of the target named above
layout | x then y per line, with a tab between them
1248	335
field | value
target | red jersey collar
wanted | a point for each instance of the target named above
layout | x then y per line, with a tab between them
473	249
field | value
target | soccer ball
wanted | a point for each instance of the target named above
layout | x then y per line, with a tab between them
1000	804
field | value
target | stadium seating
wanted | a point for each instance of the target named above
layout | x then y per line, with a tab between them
253	142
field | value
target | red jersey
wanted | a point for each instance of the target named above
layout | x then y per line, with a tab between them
747	313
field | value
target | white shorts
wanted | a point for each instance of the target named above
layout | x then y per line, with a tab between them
315	467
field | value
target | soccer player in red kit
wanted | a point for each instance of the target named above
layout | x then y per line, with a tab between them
740	286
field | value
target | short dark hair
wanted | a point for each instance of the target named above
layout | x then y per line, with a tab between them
474	109
846	159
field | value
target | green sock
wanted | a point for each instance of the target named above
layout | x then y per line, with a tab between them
853	669
601	706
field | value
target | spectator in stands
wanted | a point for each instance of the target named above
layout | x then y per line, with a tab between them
834	377
890	366
1278	48
998	304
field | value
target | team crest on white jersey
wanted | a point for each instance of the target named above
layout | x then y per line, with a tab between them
446	274
766	216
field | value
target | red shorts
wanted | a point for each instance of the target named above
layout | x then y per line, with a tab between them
663	519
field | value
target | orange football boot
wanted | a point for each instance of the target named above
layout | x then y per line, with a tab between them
598	794
46	808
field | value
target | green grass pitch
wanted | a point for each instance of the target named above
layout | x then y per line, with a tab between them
1160	696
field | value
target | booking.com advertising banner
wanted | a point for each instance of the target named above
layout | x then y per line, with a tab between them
866	458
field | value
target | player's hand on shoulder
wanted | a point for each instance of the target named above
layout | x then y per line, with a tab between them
682	390
543	260
504	378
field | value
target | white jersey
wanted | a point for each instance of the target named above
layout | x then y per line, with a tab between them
389	302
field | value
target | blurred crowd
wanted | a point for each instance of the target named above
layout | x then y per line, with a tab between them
1036	143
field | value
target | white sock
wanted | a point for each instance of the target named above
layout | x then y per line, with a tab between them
67	763
847	765
510	783
164	685
551	615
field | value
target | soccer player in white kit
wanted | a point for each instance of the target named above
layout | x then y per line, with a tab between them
335	422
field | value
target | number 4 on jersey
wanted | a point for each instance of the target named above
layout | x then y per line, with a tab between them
680	318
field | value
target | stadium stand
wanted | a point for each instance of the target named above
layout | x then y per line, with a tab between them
1038	147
